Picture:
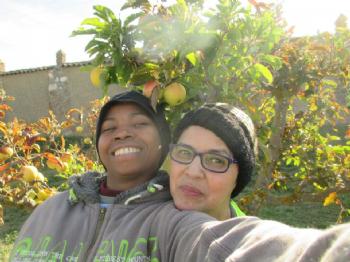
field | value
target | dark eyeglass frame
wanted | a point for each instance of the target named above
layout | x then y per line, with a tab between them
201	156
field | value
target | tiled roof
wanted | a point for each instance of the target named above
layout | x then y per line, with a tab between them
30	70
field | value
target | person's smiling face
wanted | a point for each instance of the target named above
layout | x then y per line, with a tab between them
195	188
129	146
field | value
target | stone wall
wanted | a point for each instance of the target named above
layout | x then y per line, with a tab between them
57	88
31	93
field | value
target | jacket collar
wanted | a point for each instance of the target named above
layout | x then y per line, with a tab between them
85	188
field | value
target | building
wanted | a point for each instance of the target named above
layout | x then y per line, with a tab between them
57	88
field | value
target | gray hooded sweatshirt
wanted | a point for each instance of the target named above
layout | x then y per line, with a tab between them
143	225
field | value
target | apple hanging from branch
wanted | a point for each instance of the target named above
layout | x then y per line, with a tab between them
95	76
5	153
31	173
148	87
174	94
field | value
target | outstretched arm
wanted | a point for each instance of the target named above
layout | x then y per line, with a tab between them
192	236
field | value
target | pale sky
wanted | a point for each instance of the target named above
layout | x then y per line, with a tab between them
32	31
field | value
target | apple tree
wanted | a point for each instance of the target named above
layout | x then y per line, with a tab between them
36	160
245	56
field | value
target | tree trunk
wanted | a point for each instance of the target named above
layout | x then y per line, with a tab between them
278	127
275	145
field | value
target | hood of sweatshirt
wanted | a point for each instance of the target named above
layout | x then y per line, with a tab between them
85	188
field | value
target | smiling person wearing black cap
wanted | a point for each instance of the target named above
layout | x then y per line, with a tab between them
125	214
224	138
132	141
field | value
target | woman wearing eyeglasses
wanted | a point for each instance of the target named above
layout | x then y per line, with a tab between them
212	159
134	221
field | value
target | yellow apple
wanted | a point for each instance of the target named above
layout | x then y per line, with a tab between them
174	94
79	129
87	141
39	177
45	193
95	76
42	195
5	153
148	87
31	173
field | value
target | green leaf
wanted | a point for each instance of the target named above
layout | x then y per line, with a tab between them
96	43
83	31
151	66
132	18
105	13
142	4
264	71
94	50
329	82
334	138
192	58
93	21
318	186
274	61
140	76
180	8
338	149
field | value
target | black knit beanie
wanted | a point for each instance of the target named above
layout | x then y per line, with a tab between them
144	103
234	127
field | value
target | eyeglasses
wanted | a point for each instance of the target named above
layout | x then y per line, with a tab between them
214	162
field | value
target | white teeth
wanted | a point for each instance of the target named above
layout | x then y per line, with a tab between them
126	150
